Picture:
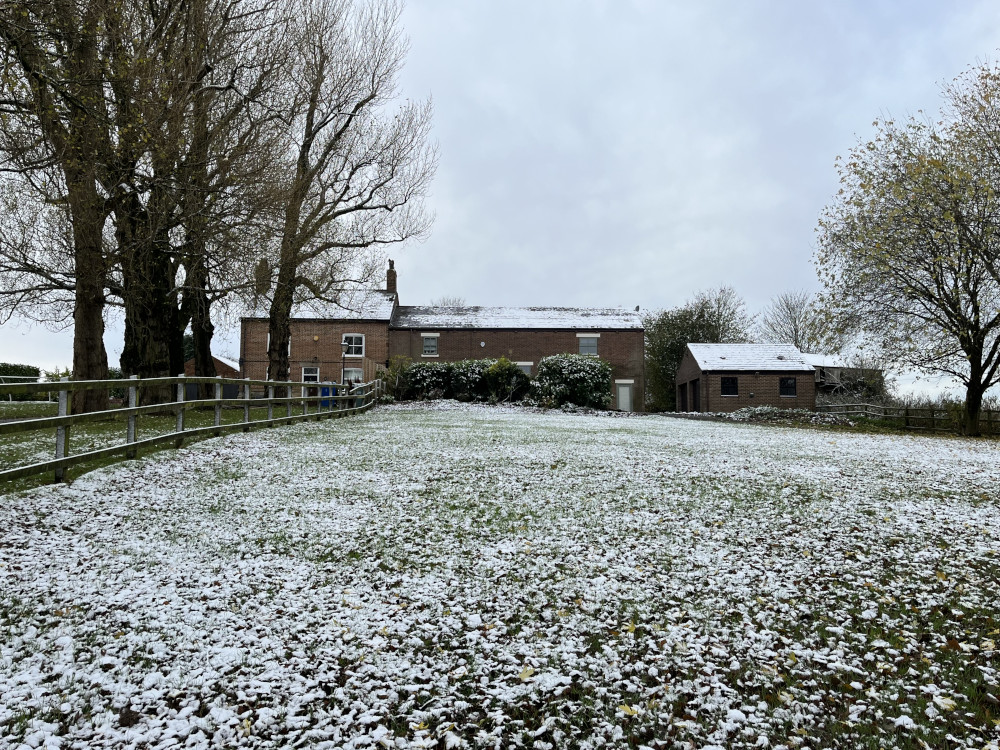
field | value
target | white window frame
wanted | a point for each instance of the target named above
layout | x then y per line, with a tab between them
310	367
522	365
268	347
423	339
361	374
362	336
595	336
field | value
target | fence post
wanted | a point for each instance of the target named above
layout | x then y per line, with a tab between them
270	405
218	403
246	406
62	433
181	395
133	418
288	395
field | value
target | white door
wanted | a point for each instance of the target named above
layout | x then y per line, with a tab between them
624	396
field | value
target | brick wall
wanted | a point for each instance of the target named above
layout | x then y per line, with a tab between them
315	343
757	390
622	349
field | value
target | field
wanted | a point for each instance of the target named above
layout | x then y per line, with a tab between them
460	576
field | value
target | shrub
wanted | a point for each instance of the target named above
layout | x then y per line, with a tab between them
505	381
429	380
396	379
469	381
19	374
573	379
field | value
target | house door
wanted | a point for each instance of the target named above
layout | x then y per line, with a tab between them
624	396
695	395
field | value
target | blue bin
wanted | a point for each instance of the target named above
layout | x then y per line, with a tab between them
325	392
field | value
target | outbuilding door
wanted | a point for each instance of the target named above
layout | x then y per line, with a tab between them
695	395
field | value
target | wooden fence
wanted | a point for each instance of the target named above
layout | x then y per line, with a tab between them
916	418
316	400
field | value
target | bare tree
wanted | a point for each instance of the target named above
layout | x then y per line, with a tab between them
792	318
356	172
723	316
54	119
448	301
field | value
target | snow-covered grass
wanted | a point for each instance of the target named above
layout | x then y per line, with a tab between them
458	576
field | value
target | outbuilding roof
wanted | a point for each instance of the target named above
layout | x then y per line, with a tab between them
572	318
773	357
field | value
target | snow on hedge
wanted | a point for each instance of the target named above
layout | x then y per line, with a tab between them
480	577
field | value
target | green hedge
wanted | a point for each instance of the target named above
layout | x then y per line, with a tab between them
20	372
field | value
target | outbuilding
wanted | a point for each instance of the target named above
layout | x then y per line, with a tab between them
727	377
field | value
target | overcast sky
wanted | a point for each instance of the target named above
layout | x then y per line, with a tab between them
633	153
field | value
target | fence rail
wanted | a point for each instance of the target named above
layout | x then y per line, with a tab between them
915	418
316	401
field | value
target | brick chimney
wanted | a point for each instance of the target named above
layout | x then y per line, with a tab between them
390	278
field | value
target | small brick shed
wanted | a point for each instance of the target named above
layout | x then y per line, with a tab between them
727	377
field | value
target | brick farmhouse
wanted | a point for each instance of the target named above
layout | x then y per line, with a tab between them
727	377
377	328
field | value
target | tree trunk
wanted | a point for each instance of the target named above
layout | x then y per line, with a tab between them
973	407
279	325
154	345
90	359
197	307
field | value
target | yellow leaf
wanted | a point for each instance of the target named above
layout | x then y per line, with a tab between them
526	673
630	627
941	576
945	703
628	710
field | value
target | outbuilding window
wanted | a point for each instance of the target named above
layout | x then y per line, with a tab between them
786	387
730	386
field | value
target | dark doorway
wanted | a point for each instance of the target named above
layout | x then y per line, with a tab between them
695	395
682	397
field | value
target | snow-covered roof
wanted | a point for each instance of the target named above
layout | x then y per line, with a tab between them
825	360
369	304
783	357
575	318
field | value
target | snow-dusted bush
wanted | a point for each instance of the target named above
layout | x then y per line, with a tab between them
573	379
468	379
505	381
429	380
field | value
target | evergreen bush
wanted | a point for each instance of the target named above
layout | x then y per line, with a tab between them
19	374
577	379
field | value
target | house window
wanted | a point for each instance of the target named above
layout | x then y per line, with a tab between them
786	387
310	374
268	349
355	345
588	343
430	341
525	367
730	386
353	375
